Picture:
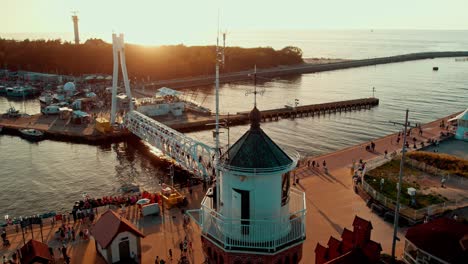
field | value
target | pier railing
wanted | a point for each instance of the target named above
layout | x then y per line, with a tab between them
251	234
414	214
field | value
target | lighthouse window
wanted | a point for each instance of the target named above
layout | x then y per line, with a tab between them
285	188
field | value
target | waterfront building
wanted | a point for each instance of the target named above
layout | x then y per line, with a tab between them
35	252
116	238
354	247
462	125
260	217
440	241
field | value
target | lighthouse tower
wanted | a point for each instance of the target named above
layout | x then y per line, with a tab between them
259	217
75	28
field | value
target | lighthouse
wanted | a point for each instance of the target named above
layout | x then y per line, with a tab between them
259	217
75	27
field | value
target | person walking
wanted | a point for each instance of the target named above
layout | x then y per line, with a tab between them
170	254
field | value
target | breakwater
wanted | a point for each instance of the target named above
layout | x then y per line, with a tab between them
300	69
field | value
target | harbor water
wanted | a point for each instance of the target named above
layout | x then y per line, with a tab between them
50	175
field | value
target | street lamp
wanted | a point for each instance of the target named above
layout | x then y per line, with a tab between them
399	185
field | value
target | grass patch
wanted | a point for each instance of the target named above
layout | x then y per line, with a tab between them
390	172
452	164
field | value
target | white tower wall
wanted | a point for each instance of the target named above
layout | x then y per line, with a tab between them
265	205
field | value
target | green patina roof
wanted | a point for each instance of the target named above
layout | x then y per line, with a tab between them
255	149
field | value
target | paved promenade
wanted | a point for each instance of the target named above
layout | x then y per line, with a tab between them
331	203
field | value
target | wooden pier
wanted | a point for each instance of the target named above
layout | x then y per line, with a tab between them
197	123
58	129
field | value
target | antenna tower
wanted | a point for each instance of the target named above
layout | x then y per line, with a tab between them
219	61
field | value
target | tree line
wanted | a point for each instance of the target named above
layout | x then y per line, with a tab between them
154	62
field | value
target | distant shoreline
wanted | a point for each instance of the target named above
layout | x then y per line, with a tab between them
311	65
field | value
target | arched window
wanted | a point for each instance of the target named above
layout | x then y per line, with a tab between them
285	183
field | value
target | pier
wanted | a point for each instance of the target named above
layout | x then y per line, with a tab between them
59	129
300	69
197	123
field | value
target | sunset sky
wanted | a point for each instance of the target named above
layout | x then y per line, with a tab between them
156	21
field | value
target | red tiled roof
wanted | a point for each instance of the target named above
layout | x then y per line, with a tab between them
440	238
35	251
109	225
358	221
352	257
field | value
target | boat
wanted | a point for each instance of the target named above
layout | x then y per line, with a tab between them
12	112
168	101
19	91
31	133
170	196
435	68
129	188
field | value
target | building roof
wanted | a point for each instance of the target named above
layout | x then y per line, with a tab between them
255	149
35	252
109	225
361	223
441	238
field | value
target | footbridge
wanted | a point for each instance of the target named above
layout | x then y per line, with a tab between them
192	155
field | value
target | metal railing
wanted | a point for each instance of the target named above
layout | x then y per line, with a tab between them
265	235
414	214
190	154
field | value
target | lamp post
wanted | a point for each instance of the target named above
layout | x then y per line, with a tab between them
400	179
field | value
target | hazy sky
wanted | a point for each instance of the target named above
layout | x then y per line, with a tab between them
143	20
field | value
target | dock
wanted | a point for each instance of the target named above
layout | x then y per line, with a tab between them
198	123
62	129
59	129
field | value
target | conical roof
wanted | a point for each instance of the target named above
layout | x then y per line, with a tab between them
255	149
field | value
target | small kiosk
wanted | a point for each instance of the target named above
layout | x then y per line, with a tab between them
116	238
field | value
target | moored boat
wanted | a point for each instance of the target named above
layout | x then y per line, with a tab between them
19	91
171	197
32	134
12	112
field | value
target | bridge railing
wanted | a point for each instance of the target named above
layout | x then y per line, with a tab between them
192	155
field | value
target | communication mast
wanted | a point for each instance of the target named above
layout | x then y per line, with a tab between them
75	27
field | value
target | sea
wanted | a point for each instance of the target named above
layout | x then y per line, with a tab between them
49	175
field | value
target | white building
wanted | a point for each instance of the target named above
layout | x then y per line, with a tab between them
116	238
260	218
